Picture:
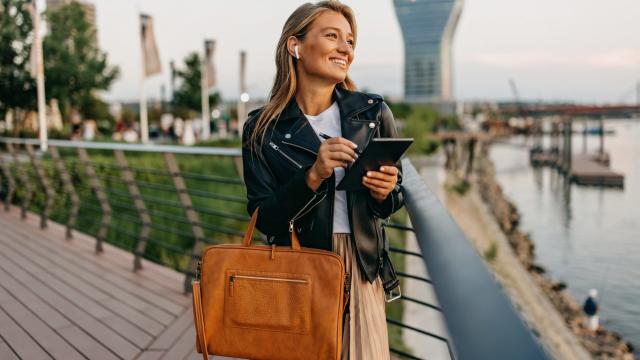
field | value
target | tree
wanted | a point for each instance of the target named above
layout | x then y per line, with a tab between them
187	100
17	87
74	66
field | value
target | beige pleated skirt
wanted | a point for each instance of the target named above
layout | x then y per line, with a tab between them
365	326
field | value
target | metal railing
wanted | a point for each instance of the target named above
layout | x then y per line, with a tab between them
165	203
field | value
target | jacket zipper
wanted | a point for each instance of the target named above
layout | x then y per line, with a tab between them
299	214
300	147
233	278
277	148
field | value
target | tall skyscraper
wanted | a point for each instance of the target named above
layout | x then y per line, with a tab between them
428	27
89	11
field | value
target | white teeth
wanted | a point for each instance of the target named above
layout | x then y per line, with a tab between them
339	62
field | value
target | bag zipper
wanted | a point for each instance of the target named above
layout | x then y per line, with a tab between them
233	278
277	148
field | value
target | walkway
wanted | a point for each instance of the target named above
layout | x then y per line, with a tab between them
60	300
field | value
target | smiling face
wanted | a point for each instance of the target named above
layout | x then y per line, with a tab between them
326	52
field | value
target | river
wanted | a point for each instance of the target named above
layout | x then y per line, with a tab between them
588	237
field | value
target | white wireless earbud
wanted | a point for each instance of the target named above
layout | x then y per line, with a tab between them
295	49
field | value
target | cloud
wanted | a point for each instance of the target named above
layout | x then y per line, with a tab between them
617	59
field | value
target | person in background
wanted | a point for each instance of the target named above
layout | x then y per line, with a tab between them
590	308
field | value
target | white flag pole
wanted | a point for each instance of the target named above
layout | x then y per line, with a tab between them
42	109
144	125
206	131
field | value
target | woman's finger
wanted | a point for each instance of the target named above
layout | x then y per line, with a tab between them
379	192
343	148
378	183
341	140
391	170
381	176
338	155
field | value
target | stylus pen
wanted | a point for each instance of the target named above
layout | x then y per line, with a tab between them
327	137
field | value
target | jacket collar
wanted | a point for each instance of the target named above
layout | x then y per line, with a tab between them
298	131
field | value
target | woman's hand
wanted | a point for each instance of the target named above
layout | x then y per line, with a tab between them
381	183
333	153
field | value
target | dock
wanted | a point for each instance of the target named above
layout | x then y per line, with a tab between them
586	170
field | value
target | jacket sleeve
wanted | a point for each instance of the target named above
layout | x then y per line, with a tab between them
279	203
395	199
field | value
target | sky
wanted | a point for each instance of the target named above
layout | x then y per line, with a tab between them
584	51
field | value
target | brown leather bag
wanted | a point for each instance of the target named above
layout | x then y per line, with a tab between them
268	302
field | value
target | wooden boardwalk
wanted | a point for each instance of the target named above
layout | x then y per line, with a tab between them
59	300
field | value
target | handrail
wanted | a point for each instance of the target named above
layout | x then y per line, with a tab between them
174	149
481	320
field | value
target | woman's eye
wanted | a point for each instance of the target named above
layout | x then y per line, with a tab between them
350	42
333	35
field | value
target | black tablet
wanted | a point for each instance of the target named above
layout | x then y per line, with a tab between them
379	151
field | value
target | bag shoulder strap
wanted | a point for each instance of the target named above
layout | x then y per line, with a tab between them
201	339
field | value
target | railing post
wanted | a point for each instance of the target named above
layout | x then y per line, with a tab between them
24	178
46	185
102	198
239	167
130	181
11	183
192	216
69	188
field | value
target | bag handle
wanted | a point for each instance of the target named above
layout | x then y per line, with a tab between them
295	242
201	339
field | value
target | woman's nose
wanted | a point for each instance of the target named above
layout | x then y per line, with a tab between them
345	47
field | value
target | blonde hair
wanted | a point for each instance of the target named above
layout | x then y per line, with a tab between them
284	85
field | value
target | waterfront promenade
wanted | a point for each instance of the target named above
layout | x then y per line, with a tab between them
60	300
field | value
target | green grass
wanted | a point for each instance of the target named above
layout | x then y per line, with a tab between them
163	203
491	253
395	309
461	187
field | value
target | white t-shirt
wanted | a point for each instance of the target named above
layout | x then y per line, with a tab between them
328	122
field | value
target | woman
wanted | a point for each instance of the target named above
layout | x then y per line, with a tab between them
296	149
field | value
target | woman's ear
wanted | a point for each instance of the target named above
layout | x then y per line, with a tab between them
293	47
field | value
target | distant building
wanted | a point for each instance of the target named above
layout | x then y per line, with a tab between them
89	12
428	27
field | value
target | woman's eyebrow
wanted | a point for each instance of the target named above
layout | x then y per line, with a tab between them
334	28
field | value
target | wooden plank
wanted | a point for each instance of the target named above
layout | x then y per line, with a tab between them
5	351
111	304
21	343
144	321
132	301
150	355
84	343
197	356
134	285
121	326
48	339
183	347
112	340
164	280
173	332
21	291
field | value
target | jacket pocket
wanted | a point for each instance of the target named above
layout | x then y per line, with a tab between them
268	301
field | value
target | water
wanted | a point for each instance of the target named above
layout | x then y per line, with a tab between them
588	237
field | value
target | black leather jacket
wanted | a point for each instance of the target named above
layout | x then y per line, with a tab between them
276	181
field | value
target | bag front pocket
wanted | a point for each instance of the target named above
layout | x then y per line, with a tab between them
268	301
